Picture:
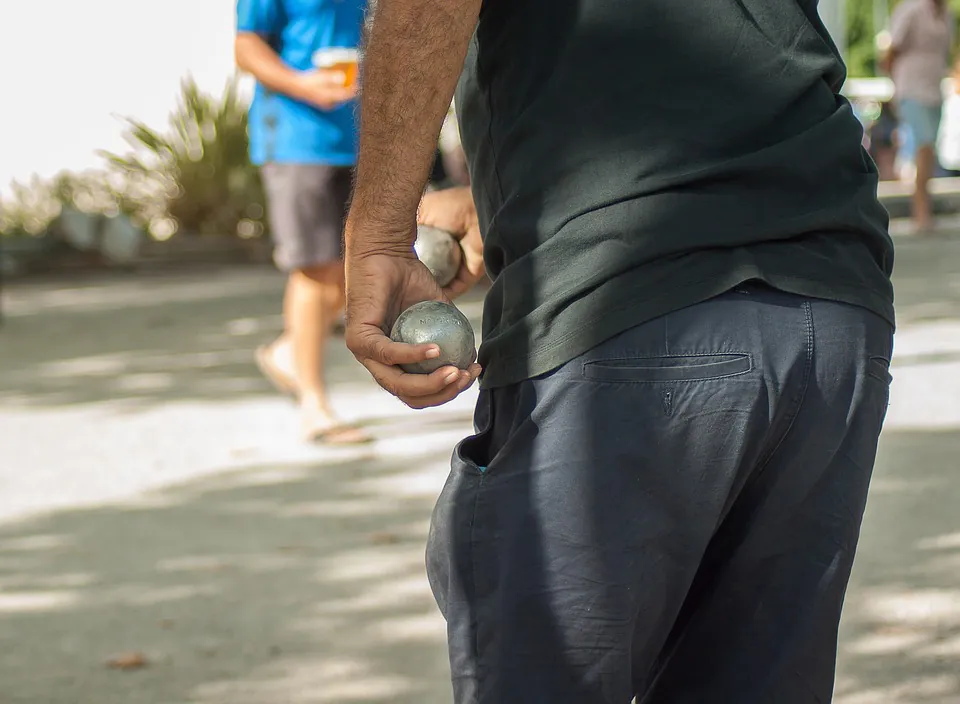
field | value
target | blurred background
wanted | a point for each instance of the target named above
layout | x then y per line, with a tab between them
164	536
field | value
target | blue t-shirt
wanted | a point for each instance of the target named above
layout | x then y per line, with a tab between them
286	130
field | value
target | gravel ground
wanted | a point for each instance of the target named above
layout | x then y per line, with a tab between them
158	512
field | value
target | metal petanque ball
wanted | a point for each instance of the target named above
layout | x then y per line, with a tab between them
441	324
440	253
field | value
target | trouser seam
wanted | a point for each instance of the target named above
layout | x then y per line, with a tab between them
475	625
805	384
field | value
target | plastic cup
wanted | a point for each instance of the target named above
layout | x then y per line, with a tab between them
343	59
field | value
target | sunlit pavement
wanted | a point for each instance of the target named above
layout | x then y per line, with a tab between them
154	499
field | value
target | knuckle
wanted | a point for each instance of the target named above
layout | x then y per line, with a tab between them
385	353
354	340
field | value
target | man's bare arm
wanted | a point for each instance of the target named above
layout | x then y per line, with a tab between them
323	89
413	59
258	58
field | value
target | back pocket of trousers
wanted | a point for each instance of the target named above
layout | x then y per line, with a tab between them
668	369
879	369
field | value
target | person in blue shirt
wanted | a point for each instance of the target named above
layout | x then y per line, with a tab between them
303	135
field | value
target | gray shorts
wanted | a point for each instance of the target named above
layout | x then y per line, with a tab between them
306	204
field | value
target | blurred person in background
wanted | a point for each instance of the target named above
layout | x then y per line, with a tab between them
921	38
303	135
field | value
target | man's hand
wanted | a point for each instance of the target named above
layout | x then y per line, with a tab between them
453	210
324	88
381	284
413	58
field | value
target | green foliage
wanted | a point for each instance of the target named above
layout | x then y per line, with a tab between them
32	207
861	33
29	208
863	25
196	177
32	211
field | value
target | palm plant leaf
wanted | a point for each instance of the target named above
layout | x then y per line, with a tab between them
200	165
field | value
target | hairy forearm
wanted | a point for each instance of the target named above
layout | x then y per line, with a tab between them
412	61
258	58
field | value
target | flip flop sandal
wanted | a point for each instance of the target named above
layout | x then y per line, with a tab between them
340	434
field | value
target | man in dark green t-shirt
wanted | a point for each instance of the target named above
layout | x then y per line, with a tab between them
685	347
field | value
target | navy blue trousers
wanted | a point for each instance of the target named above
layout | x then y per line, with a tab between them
671	517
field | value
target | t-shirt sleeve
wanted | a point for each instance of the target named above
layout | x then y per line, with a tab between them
901	25
263	17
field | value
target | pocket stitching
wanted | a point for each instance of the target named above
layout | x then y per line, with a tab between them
597	364
879	369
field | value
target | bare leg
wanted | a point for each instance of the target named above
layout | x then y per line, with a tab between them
313	300
281	351
276	359
316	298
922	206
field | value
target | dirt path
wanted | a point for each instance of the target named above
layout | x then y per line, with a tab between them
153	499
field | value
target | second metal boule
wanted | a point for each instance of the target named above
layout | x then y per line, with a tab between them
440	253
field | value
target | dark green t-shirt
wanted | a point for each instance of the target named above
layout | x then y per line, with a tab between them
631	157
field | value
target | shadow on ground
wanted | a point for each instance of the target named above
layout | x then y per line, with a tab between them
274	585
900	641
148	338
927	279
142	338
304	583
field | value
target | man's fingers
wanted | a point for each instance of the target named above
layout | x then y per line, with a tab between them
438	210
456	288
420	390
381	357
448	394
465	280
372	344
391	353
